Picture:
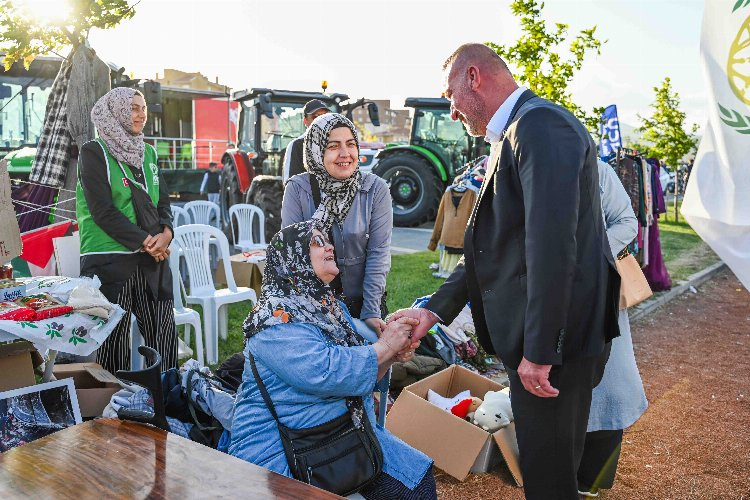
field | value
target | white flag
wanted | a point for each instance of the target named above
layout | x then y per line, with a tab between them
717	200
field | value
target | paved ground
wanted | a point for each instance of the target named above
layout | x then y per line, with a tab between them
410	239
693	441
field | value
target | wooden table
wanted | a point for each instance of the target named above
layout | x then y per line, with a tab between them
245	273
110	458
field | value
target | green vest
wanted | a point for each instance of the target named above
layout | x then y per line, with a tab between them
94	240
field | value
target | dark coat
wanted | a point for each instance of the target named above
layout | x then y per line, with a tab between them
537	266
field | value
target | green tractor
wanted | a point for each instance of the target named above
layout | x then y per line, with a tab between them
419	172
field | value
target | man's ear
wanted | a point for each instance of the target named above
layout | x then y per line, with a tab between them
472	73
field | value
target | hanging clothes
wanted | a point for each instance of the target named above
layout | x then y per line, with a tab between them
452	217
656	272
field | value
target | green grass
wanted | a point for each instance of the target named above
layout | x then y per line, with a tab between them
410	276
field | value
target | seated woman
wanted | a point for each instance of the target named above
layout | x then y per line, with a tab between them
316	367
356	211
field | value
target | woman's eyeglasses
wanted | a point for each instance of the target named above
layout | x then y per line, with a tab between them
319	241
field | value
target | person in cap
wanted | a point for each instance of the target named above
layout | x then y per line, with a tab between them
293	163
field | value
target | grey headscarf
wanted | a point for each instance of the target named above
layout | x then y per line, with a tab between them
113	119
336	195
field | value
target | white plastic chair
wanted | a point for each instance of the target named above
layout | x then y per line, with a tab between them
184	315
204	212
192	242
180	216
246	216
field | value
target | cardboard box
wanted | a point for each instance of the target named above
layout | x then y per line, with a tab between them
94	385
455	445
17	361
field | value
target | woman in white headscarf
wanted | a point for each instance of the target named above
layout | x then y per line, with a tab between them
355	210
125	226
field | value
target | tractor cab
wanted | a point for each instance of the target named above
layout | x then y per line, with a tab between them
23	101
419	172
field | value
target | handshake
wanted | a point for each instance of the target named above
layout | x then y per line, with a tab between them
402	331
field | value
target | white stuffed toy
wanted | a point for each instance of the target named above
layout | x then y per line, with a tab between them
495	412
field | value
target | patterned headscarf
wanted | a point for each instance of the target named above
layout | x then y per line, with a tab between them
336	195
293	293
113	119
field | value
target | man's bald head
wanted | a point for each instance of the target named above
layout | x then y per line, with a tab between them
475	54
477	82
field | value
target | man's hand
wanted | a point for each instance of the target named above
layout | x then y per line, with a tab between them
377	325
535	379
427	319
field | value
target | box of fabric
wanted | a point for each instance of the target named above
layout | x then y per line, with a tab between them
456	445
94	385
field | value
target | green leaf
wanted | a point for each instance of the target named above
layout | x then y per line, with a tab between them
740	4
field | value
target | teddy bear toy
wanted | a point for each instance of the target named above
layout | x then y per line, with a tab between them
475	403
495	411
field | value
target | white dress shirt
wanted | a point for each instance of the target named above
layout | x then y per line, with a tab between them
500	119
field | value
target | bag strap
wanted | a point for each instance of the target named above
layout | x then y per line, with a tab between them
262	388
315	188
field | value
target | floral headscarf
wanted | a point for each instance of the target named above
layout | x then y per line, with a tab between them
293	293
336	195
113	119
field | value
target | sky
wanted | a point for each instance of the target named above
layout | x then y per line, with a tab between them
392	49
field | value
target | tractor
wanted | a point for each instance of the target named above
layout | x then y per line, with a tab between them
419	172
269	120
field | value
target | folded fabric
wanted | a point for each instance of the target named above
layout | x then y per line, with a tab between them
424	365
86	298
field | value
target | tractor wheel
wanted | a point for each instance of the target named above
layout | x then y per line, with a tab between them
230	193
415	187
266	192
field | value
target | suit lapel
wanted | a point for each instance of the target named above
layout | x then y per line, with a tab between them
492	163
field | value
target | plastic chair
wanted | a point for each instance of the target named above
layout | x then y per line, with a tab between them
148	378
204	212
184	315
186	155
180	216
244	239
193	243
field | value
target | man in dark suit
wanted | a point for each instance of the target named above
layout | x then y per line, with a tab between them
537	268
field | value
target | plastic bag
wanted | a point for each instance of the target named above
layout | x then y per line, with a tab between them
44	306
13	312
86	298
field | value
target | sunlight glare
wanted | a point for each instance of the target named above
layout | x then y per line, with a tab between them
44	12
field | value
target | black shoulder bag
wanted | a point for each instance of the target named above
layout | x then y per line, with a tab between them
334	456
146	213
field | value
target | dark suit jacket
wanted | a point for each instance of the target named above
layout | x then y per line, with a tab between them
537	266
296	165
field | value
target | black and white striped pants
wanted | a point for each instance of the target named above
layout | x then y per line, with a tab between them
155	322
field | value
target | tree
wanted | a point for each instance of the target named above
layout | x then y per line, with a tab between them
540	67
664	132
24	35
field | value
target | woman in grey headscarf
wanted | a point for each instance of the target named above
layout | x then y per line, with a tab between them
125	226
354	208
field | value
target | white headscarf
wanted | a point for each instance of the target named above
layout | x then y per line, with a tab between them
336	195
113	119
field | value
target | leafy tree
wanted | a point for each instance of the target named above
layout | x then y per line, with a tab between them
540	66
22	37
664	134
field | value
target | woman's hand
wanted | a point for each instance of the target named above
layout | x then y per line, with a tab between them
158	245
396	337
377	325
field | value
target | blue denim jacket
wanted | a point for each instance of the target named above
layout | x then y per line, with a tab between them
308	378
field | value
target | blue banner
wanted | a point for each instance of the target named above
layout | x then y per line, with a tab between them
609	133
